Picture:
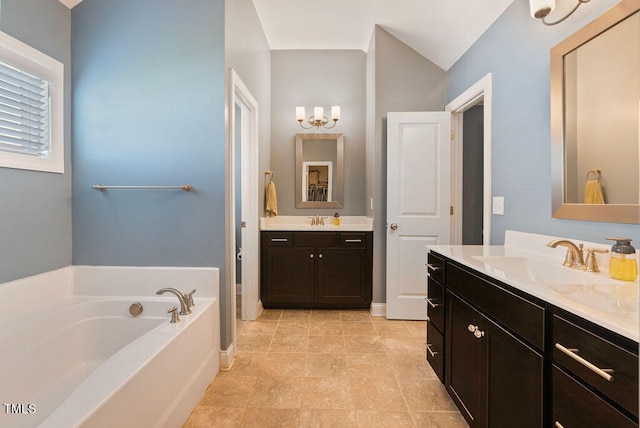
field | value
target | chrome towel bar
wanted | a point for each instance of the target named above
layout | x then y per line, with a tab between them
102	187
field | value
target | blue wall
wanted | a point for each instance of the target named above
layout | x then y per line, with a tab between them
516	51
35	207
148	110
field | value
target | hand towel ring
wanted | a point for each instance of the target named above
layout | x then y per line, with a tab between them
596	172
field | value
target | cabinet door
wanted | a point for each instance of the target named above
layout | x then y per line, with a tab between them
493	377
341	277
289	276
514	378
465	361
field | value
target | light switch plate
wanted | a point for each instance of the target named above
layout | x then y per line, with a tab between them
498	205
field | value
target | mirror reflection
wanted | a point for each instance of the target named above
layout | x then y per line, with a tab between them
317	181
595	103
602	92
319	172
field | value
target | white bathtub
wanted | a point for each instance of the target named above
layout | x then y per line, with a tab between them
72	355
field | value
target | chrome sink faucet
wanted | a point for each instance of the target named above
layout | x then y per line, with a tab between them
575	255
184	306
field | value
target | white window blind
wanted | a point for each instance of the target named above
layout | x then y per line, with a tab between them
24	112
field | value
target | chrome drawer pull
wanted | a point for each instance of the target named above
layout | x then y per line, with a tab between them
433	305
432	267
353	240
279	239
558	425
428	319
433	354
572	353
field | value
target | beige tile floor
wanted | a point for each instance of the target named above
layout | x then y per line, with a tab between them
303	368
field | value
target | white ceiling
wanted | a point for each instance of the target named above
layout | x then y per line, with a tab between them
70	3
440	30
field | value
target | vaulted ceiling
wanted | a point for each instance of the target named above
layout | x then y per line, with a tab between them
440	30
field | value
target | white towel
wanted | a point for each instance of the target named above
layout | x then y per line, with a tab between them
271	200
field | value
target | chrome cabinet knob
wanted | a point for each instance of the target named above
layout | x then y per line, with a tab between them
393	226
475	330
310	256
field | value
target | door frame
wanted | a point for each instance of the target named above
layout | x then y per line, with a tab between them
240	94
478	92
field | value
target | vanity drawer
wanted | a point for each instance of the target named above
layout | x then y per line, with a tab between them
583	352
435	267
573	405
435	350
435	304
523	317
353	239
316	239
279	239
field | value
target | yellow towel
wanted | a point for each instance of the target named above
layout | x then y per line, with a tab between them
593	193
271	201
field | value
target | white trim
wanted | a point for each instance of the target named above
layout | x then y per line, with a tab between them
23	56
227	357
479	91
240	94
378	309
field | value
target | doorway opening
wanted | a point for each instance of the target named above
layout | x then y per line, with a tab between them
471	164
472	175
241	197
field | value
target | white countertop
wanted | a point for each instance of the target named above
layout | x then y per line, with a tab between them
596	297
303	223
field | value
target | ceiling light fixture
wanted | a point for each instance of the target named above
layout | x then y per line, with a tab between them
318	119
541	8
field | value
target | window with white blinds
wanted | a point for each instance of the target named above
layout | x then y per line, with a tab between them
31	108
24	112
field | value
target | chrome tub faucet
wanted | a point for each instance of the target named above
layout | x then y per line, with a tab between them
184	306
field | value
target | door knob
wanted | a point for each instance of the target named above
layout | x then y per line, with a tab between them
393	226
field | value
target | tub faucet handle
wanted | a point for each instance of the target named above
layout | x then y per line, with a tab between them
174	315
189	298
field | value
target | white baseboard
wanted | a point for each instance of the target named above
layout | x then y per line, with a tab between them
227	357
260	309
378	309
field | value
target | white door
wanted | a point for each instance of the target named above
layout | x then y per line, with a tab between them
418	213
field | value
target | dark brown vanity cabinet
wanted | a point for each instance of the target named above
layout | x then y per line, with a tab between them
316	269
595	375
514	360
435	314
493	376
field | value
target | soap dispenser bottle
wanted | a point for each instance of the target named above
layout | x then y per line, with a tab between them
623	264
336	219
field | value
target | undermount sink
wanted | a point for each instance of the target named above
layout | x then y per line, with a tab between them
541	272
296	223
